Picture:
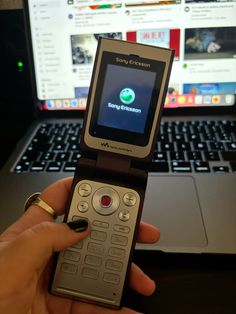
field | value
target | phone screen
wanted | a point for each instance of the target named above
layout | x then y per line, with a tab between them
126	98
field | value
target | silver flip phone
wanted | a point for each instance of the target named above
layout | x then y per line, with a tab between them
125	101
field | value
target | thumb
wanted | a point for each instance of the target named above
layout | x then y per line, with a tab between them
34	247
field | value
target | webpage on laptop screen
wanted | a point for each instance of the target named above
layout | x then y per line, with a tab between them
202	33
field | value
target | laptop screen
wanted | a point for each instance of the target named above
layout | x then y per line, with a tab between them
64	36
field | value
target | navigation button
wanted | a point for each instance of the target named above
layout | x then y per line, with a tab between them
106	201
83	207
129	199
84	189
124	215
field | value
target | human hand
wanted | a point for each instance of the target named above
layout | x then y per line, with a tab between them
26	248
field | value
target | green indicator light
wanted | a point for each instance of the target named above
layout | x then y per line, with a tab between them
20	64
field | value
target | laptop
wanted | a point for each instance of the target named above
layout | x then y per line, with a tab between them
192	179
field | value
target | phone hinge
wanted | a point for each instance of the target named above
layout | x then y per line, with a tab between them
112	162
120	165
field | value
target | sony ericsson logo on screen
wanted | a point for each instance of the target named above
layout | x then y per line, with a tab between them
127	96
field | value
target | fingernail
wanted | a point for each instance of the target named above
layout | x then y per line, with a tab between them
79	225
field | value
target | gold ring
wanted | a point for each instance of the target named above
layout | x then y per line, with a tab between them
35	199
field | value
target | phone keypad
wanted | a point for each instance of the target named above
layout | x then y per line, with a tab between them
103	256
71	255
98	235
69	268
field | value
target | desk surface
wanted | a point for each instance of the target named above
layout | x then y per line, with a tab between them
187	284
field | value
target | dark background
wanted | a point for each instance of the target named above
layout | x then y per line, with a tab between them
186	284
15	90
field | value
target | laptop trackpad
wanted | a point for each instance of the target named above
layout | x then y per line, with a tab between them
172	204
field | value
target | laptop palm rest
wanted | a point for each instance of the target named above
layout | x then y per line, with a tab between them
172	204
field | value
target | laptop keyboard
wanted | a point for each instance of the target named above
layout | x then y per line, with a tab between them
192	146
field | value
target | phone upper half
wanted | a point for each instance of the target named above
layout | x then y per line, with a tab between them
126	97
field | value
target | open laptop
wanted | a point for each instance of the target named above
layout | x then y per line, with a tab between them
192	180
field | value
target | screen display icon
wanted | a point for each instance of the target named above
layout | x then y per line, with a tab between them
127	96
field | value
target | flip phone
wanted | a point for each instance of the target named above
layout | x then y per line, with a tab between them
125	101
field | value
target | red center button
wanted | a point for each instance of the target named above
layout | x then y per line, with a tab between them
106	201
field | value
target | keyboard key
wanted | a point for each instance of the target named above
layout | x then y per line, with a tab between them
167	146
177	156
59	147
183	146
30	155
233	166
181	166
54	166
212	156
200	146
229	126
178	138
73	147
62	156
229	155
220	169
70	167
158	167
38	166
22	166
75	156
216	145
194	137
193	156
225	137
201	166
231	146
58	139
47	156
160	156
208	137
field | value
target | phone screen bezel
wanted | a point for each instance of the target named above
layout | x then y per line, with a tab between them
119	135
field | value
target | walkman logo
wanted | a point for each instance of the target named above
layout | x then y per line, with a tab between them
107	145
